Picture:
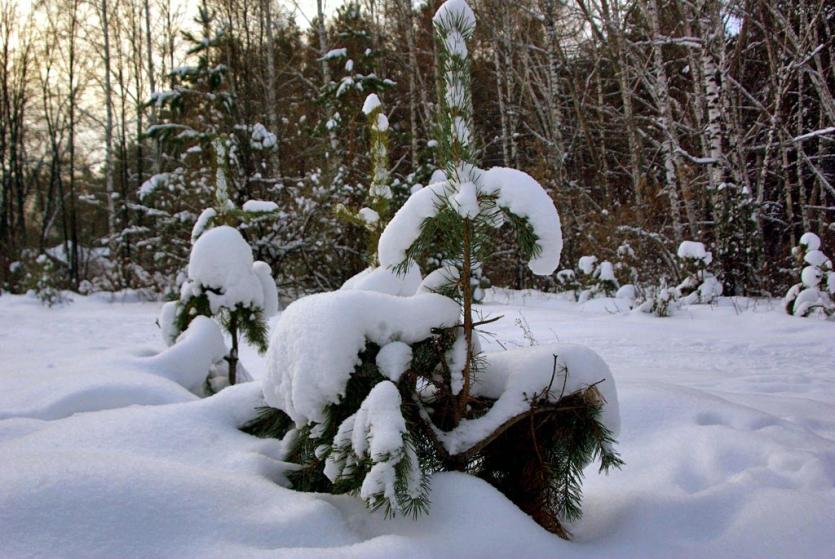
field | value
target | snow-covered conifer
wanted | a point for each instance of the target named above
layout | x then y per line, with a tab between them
814	293
699	285
372	391
224	283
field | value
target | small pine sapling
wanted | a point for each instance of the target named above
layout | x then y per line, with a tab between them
699	286
814	294
598	280
375	215
372	392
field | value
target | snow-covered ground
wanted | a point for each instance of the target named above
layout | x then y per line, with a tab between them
728	433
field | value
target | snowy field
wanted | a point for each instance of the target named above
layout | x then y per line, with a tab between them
728	434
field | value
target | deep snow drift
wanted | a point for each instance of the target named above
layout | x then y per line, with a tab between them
728	433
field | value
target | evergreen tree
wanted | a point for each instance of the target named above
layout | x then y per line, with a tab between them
209	153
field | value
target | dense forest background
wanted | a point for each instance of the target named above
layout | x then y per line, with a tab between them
648	121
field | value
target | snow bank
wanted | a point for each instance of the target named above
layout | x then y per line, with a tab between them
317	340
188	361
513	377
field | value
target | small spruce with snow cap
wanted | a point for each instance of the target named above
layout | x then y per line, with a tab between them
814	294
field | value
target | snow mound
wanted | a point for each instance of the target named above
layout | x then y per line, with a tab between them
188	361
318	339
513	377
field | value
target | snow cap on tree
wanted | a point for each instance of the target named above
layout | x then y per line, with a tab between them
221	263
455	14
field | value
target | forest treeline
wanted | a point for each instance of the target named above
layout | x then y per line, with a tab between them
649	122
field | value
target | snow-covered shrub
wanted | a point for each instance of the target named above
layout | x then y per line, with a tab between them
372	392
699	285
626	264
565	281
814	294
224	283
661	301
41	278
598	280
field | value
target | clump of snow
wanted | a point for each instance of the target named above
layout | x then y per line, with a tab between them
382	123
335	53
465	200
441	278
152	184
386	280
371	104
586	264
376	433
514	377
259	206
605	272
318	339
262	138
694	250
455	14
369	216
190	359
810	241
817	258
394	359
221	266
264	274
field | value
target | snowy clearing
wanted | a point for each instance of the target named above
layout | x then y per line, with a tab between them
728	434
